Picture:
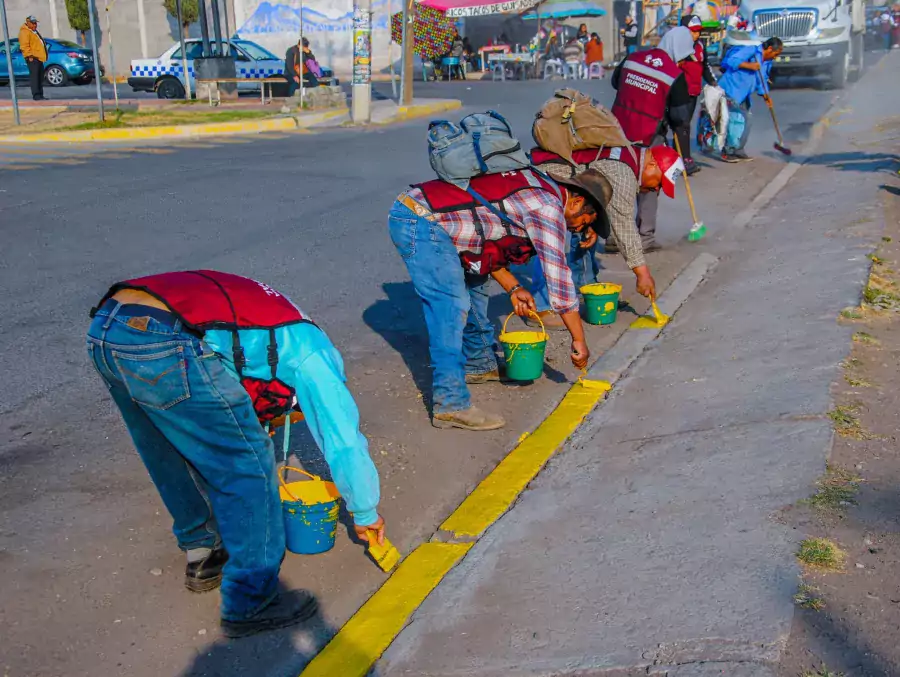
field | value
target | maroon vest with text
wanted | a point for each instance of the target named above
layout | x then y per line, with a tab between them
629	156
208	299
644	84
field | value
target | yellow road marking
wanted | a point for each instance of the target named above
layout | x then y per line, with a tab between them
19	166
502	486
365	637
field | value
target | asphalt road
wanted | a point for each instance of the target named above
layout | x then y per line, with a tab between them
81	529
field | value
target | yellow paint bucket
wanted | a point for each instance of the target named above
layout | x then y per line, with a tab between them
524	351
601	302
310	509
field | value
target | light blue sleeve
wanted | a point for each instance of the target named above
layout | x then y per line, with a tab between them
736	56
762	84
333	419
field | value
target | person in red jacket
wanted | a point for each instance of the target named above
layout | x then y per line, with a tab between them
696	71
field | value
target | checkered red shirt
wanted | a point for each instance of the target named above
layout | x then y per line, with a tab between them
542	220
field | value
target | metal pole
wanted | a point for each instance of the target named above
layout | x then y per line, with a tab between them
302	59
204	27
92	9
9	66
217	27
361	91
112	60
391	50
406	84
227	30
184	63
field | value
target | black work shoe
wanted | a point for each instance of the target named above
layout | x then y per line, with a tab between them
652	246
729	157
288	608
741	155
206	574
610	247
495	376
691	167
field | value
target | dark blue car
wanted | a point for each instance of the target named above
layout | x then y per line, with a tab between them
66	62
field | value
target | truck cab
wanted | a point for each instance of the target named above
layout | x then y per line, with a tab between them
821	37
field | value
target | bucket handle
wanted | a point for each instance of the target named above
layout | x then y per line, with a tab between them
299	470
530	312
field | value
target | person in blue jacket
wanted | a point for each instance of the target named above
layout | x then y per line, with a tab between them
746	70
193	359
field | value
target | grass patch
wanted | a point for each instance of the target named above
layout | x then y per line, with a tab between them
822	672
821	554
864	337
837	489
806	598
846	422
886	239
851	314
122	119
857	382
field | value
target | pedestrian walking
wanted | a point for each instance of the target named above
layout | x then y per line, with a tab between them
652	96
696	71
746	70
196	361
34	51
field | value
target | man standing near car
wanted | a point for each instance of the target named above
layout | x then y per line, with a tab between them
34	50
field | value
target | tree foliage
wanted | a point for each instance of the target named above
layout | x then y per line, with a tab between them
190	12
79	16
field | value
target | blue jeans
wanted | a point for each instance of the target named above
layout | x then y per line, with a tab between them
460	335
196	432
738	126
575	257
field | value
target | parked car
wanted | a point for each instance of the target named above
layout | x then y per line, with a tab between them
165	75
66	62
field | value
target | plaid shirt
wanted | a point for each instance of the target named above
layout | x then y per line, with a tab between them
540	218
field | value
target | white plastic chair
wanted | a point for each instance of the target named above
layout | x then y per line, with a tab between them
552	68
498	71
573	70
595	71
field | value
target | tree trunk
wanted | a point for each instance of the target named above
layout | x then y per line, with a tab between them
186	30
83	35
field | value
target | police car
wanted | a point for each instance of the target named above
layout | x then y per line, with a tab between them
165	75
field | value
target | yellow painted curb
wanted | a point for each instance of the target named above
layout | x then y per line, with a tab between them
168	131
422	109
502	486
365	637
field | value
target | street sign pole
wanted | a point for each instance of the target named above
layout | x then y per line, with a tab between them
391	50
406	84
92	10
361	91
112	59
9	66
184	64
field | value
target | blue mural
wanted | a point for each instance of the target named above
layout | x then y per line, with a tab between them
280	18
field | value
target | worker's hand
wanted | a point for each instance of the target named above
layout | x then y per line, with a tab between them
522	302
645	285
580	354
369	531
768	100
297	79
589	239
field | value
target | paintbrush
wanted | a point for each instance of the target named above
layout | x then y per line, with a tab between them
386	556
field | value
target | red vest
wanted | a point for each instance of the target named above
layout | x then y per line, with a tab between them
630	156
443	197
693	70
207	299
509	249
644	84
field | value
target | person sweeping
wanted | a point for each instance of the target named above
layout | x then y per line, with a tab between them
196	361
696	71
487	211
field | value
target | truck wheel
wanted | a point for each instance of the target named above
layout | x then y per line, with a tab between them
169	88
839	72
859	62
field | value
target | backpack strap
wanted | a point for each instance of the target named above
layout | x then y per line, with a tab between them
272	352
237	353
504	219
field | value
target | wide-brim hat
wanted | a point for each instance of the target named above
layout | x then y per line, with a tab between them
599	189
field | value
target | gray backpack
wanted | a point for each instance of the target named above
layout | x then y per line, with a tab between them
482	143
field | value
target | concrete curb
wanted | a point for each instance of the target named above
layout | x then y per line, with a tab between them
289	123
418	110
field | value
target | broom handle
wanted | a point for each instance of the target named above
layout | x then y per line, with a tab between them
687	184
772	111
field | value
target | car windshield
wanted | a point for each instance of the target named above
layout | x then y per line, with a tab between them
256	52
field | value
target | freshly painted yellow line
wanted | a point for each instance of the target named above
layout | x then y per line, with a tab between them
497	491
357	645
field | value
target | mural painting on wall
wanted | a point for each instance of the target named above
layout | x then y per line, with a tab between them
328	24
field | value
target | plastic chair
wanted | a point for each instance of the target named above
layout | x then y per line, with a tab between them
552	68
425	66
595	71
573	70
451	64
498	71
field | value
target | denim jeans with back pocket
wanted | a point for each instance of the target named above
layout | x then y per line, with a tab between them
196	432
460	335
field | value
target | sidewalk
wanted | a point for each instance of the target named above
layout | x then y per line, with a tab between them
652	543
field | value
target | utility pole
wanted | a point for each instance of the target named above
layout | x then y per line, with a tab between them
92	10
391	51
406	85
361	103
9	66
112	60
184	63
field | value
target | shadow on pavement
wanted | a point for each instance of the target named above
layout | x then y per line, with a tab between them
857	161
279	653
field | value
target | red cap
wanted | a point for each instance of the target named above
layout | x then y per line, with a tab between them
695	24
670	164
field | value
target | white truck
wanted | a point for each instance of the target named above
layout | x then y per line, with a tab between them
821	37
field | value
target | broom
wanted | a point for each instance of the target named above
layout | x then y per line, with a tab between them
778	145
698	230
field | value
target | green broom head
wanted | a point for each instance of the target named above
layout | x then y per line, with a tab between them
697	232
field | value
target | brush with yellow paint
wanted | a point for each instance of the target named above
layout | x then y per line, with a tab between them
658	320
386	556
589	384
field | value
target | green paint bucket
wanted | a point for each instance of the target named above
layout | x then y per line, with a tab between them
524	352
601	301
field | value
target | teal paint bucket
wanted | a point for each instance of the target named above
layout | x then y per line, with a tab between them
310	508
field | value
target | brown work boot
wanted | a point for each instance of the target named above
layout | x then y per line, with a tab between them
472	418
495	376
552	321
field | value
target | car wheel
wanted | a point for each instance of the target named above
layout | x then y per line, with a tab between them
169	88
839	72
56	76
